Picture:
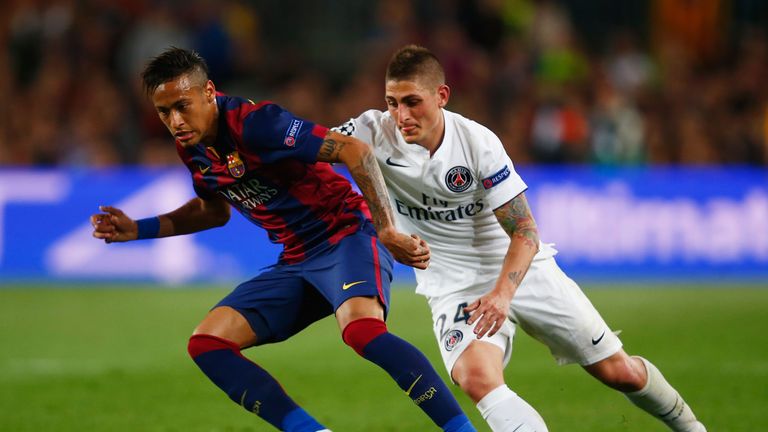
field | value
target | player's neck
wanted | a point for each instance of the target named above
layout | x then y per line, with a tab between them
213	128
436	140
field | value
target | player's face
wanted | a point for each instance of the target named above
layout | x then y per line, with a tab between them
188	109
416	107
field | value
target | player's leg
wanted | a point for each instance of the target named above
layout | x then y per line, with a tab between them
552	308
479	373
215	347
478	366
363	328
354	277
646	387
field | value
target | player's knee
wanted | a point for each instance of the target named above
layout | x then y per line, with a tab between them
626	382
360	332
475	380
620	373
202	343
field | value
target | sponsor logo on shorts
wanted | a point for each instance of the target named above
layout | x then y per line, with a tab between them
458	179
347	286
597	341
452	338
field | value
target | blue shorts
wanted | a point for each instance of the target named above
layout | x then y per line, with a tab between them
287	298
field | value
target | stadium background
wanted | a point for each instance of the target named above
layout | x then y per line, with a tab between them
641	128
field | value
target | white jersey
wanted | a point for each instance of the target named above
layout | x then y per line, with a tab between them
448	199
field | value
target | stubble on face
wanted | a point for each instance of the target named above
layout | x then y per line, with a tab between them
185	98
416	106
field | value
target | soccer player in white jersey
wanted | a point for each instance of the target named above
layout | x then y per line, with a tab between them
452	183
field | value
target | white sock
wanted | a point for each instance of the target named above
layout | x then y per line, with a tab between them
505	411
662	401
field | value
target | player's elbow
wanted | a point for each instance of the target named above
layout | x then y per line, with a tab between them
534	236
220	219
355	152
529	235
217	212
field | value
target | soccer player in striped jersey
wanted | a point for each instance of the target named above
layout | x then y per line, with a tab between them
453	184
273	168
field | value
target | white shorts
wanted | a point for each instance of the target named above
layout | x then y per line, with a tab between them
548	305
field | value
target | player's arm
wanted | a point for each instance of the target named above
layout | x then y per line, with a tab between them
113	225
362	165
490	310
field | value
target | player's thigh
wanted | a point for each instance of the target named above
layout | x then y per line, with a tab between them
227	323
454	335
358	267
357	308
277	303
551	307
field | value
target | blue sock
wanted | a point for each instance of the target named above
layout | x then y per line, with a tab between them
410	370
460	423
249	385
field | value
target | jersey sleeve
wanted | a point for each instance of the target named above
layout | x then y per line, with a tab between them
273	133
496	173
362	127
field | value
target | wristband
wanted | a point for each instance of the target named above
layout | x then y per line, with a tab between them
148	228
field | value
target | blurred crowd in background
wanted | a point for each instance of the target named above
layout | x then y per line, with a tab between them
572	81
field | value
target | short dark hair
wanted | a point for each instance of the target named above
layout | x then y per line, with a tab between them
171	64
411	62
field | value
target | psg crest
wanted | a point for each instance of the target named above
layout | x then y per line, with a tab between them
458	179
452	338
235	165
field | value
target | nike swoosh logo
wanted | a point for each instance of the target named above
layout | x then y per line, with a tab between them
204	170
597	341
408	392
393	163
347	286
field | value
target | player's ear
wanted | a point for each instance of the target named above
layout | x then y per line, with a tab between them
443	94
210	92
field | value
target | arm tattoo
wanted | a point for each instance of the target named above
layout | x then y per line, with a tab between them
516	277
516	219
369	179
330	149
365	172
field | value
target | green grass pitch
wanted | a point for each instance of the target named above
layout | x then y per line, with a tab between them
115	360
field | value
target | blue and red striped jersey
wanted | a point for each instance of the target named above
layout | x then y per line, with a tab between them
263	163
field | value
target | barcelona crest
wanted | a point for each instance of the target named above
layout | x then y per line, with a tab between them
235	165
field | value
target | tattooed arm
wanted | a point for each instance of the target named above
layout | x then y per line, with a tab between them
362	165
490	310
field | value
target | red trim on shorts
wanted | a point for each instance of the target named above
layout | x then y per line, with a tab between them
377	270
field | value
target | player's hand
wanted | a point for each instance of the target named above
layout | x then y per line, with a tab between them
489	312
410	250
113	225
